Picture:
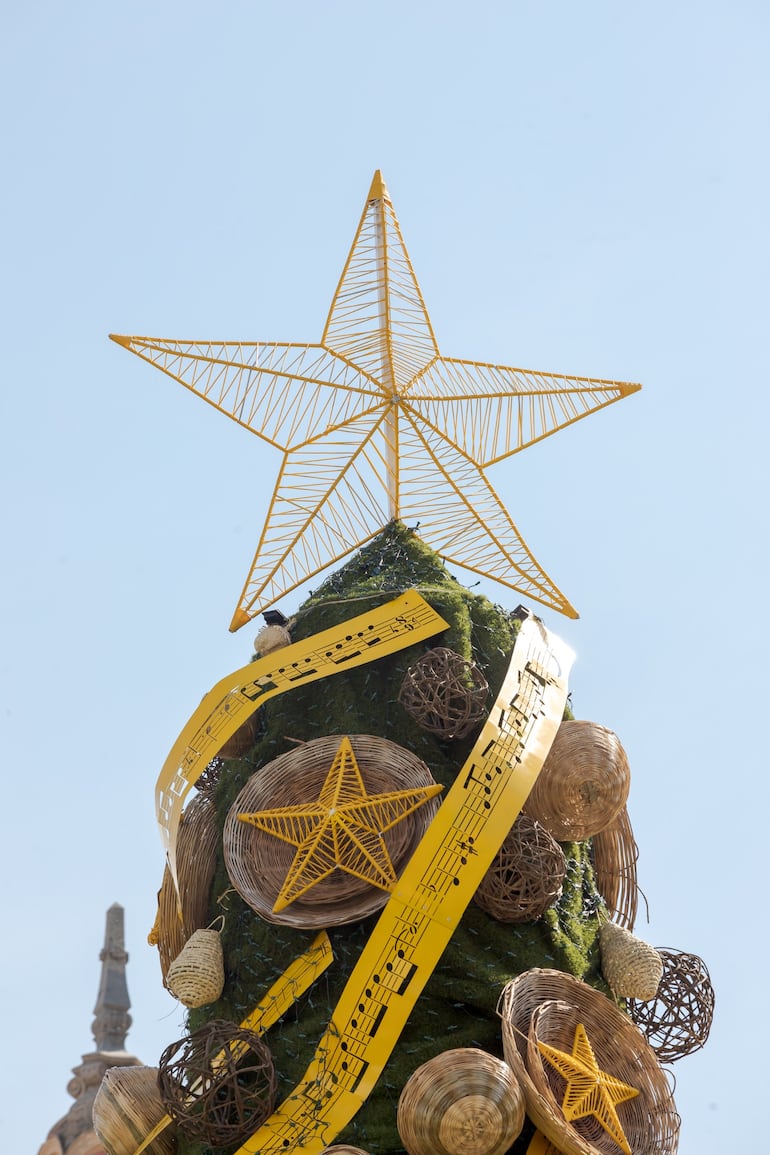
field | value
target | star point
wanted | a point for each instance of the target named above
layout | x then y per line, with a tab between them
373	424
342	829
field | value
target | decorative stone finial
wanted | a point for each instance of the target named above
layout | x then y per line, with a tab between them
111	1018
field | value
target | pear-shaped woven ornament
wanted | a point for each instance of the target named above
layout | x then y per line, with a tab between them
632	967
197	975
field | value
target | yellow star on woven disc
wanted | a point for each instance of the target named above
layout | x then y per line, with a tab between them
373	424
590	1091
343	829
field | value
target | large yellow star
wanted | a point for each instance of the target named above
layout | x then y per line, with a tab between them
590	1091
373	424
342	829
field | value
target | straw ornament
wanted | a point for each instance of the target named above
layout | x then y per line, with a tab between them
343	1149
270	638
462	1102
632	967
615	854
678	1020
197	975
583	784
196	861
526	875
218	1083
545	1007
444	693
126	1108
288	848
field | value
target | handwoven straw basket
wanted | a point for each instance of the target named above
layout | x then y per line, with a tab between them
632	967
258	863
462	1102
343	1149
615	855
583	784
546	1006
197	975
126	1108
196	861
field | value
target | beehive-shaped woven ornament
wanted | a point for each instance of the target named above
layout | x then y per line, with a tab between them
462	1102
583	784
526	875
444	693
197	975
632	967
127	1108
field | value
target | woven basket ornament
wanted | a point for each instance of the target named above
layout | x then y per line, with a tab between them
343	1149
632	967
218	1083
462	1102
678	1020
526	875
259	863
546	1006
197	975
583	784
196	861
126	1108
444	694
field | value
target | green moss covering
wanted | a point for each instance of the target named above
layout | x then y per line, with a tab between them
458	1005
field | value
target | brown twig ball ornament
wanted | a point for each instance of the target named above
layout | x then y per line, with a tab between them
444	693
526	875
218	1083
678	1020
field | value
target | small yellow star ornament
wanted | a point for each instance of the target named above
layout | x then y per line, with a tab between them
342	829
590	1091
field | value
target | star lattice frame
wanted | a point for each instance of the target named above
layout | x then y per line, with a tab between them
374	424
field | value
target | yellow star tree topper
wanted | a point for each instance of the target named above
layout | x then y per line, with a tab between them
590	1091
374	424
343	829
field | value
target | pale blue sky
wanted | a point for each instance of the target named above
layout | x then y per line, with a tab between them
582	189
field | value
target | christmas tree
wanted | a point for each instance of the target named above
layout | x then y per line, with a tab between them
400	903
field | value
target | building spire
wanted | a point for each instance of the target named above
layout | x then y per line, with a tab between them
110	1027
111	1018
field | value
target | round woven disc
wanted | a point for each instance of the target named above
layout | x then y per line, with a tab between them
583	784
258	862
462	1102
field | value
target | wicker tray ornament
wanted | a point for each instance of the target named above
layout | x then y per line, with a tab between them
218	1083
258	863
444	693
462	1102
631	966
615	854
678	1020
583	784
526	875
546	1006
196	862
127	1107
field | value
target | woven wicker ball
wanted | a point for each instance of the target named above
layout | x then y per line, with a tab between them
632	967
546	1006
462	1102
218	1083
526	875
444	694
128	1105
583	784
678	1020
